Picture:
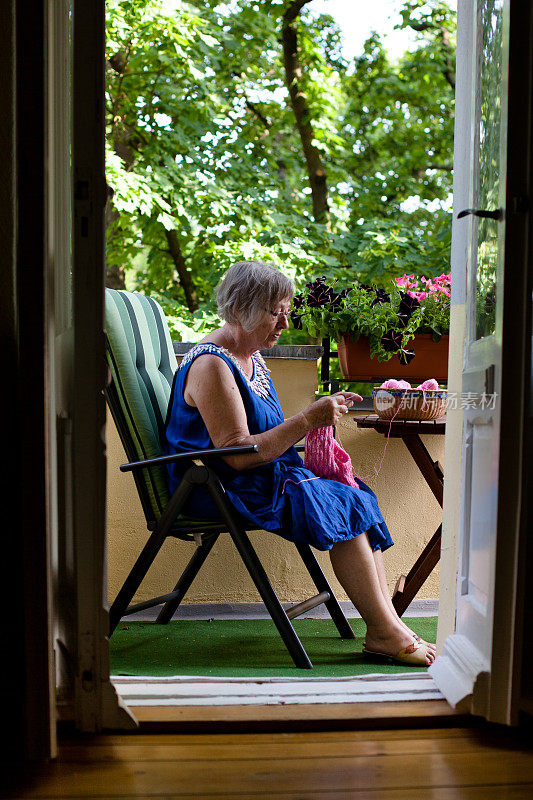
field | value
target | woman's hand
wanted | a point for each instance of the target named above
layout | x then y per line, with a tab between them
328	410
211	388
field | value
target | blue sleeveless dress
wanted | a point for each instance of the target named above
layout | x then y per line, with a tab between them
282	496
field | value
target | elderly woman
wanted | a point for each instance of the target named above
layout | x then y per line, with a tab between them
223	396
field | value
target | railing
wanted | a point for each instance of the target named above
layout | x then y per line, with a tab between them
329	384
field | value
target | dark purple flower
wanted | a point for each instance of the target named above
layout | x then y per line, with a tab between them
316	283
318	293
319	296
296	320
381	297
297	301
405	356
336	299
391	341
408	305
403	319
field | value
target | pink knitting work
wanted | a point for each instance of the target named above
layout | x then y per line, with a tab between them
327	458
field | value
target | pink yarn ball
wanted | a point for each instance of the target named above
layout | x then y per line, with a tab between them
392	383
431	385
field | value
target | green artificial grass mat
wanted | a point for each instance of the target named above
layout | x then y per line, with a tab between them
247	649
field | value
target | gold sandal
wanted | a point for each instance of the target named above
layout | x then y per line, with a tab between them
414	653
431	645
423	641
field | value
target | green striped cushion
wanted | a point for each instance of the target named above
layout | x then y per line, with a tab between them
142	363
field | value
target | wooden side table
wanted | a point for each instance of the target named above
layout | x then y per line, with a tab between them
410	431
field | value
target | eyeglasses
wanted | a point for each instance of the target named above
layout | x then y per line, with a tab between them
279	314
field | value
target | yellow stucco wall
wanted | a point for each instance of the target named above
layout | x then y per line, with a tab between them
409	508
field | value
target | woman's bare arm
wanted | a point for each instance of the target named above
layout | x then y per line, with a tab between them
211	388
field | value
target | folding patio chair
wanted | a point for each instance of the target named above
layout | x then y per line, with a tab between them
142	364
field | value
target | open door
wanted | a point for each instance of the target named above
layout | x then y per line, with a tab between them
96	702
478	670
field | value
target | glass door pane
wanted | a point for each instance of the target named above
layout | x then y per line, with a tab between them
489	137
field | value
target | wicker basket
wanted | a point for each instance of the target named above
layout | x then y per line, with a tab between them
409	403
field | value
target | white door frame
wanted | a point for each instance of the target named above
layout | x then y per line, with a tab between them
492	688
96	704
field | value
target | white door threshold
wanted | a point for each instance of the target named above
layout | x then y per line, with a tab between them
197	691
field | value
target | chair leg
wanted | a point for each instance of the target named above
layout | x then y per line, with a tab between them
258	575
148	554
322	585
135	578
186	579
270	599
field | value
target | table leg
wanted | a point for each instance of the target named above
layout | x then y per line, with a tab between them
408	586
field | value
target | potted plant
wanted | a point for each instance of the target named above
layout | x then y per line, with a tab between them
398	329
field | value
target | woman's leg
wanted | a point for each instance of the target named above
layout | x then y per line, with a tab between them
380	567
354	565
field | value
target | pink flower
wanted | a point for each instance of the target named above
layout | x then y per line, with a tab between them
434	288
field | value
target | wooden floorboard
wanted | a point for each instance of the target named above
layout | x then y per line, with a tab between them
515	792
321	715
271	750
479	762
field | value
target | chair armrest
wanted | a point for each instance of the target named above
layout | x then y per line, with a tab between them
201	454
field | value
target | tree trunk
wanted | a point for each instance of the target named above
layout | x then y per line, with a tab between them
293	74
186	282
122	145
114	275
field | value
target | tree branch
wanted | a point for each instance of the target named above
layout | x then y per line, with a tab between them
293	10
302	113
119	62
125	149
267	124
443	33
449	72
418	173
251	106
420	26
186	282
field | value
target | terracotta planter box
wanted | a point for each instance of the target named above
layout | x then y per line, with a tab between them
430	361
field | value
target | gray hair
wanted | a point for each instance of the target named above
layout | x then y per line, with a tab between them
247	289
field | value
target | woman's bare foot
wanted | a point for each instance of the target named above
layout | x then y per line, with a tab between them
380	568
431	645
395	639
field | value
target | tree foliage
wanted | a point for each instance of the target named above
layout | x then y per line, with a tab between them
238	130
